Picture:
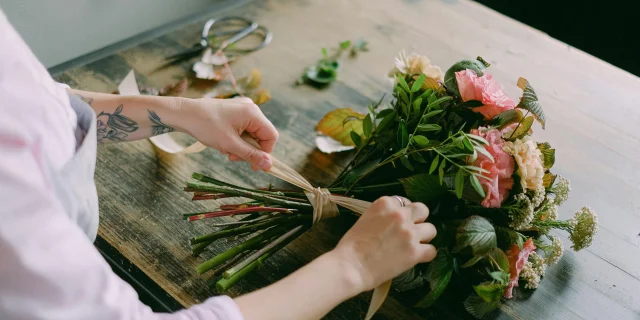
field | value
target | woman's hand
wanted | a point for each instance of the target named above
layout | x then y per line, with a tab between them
219	124
387	240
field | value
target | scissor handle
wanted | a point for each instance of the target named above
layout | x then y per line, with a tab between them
251	27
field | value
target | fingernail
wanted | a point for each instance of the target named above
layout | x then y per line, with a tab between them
265	163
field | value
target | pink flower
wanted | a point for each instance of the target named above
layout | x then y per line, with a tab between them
517	259
499	181
484	89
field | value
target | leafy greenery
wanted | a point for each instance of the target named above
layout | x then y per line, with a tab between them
325	71
529	101
439	275
477	233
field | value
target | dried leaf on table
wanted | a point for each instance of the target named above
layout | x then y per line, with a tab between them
249	86
339	123
175	89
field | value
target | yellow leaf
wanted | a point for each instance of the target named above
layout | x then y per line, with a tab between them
261	96
252	81
339	123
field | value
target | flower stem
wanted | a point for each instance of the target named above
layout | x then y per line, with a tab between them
225	213
251	194
251	228
247	245
558	224
255	256
199	248
225	283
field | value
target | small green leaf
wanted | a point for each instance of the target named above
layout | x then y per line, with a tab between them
476	185
478	138
548	180
403	134
344	45
489	291
474	168
472	262
421	141
431	114
479	308
416	156
478	233
387	121
418	83
324	52
405	162
434	164
507	117
521	130
548	154
355	137
437	102
439	274
416	105
423	187
507	237
426	94
441	170
403	83
367	126
431	99
500	258
459	183
429	127
529	101
467	144
384	113
404	97
486	153
501	276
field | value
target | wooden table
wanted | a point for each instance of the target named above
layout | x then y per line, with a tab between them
592	109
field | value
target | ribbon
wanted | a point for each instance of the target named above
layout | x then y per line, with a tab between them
325	205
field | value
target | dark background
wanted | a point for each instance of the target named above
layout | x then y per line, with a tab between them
607	29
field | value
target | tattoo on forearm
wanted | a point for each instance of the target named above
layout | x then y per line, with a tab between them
157	127
114	127
85	99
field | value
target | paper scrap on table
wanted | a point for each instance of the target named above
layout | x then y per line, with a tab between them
327	144
164	142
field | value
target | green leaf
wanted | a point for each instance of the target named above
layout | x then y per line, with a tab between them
501	276
459	183
450	80
416	105
421	141
355	137
472	261
500	258
432	97
477	233
403	134
548	180
476	185
324	53
507	237
489	291
387	121
422	187
478	138
529	101
507	117
384	113
548	154
429	127
479	308
404	97
367	126
431	113
418	83
418	158
437	102
344	45
405	162
439	274
521	130
434	164
467	144
486	153
441	170
426	94
403	83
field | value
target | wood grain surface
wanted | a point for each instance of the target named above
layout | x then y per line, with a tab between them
592	109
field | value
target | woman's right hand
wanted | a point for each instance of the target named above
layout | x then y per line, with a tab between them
386	241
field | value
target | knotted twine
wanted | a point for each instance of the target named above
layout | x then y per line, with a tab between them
325	205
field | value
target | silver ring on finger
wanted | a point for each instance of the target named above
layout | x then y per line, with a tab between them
402	204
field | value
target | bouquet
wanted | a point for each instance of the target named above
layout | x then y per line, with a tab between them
454	141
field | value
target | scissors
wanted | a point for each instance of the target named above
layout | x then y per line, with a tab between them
231	30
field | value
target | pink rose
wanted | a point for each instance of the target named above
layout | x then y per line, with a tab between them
517	259
499	181
484	89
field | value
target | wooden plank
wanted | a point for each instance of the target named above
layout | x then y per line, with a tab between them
592	109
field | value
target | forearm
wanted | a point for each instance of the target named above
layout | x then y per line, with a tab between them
128	118
307	294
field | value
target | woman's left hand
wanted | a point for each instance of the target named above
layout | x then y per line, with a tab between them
219	124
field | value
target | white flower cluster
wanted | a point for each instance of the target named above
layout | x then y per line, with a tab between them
551	212
585	226
522	217
557	249
561	189
538	197
533	271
